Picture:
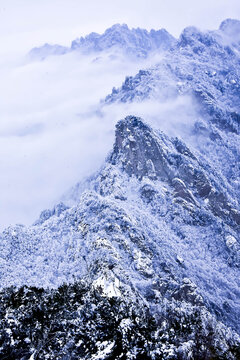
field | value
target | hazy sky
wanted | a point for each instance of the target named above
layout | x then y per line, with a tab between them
25	23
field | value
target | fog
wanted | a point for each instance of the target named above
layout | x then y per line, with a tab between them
54	131
50	133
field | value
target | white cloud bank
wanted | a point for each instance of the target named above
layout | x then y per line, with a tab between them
49	133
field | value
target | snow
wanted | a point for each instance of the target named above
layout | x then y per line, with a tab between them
105	348
230	241
109	287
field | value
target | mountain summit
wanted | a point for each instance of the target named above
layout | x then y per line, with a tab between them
134	43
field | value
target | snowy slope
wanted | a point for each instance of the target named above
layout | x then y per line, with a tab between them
153	213
40	53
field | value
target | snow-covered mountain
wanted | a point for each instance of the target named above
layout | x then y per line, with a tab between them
142	260
202	65
204	68
40	53
153	226
134	43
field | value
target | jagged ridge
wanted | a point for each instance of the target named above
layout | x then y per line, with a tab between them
133	42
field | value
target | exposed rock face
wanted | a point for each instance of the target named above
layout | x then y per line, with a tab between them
139	151
143	153
182	191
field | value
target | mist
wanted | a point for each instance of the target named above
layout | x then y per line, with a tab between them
54	131
51	134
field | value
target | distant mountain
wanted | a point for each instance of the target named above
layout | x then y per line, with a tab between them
132	42
201	65
40	53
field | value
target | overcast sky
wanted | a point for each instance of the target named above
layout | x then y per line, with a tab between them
25	23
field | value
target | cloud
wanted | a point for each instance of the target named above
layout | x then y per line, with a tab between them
50	133
54	132
174	116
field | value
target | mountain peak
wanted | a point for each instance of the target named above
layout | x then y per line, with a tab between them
138	150
196	38
117	27
230	29
135	42
230	26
